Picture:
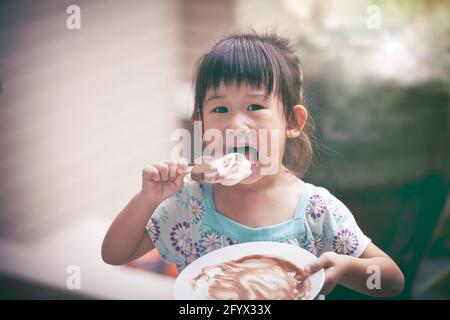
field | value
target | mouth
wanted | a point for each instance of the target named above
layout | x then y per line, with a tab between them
249	152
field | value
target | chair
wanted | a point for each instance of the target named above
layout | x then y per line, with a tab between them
400	220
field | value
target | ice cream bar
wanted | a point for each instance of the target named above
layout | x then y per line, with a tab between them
228	170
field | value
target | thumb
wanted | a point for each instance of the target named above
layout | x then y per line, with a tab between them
320	263
179	181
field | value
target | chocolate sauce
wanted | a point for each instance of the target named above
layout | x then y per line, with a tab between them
255	277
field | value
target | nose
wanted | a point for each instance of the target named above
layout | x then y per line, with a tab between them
239	122
240	131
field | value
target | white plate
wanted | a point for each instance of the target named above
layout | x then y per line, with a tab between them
296	255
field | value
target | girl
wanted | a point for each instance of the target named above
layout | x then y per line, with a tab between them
250	82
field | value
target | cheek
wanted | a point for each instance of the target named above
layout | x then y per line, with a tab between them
211	122
276	142
208	124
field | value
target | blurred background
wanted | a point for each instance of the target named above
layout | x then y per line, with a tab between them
89	97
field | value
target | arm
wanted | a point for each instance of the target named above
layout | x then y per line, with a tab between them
127	238
127	232
354	273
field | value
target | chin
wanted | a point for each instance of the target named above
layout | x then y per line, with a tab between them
254	177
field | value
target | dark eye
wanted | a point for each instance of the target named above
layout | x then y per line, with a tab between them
254	107
220	109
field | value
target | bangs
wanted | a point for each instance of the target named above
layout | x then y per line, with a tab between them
239	60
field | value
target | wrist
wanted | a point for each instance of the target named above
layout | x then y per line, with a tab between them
347	265
146	201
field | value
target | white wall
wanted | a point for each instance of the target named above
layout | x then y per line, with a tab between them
82	111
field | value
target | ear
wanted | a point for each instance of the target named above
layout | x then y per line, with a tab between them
301	115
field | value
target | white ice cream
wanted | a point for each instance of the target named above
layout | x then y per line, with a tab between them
229	170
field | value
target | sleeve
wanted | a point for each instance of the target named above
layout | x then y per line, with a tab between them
334	225
169	228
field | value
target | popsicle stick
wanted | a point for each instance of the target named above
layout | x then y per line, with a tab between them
197	173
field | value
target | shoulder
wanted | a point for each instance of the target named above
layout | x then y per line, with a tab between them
321	202
333	224
321	192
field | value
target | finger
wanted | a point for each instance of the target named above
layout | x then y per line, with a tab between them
163	170
179	180
182	165
172	169
151	173
315	266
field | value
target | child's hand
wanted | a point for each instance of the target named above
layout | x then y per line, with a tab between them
335	266
162	180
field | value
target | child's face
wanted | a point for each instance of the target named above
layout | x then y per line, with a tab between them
247	109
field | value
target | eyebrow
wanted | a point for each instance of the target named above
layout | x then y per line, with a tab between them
216	97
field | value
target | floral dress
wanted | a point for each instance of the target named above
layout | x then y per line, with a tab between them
188	225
